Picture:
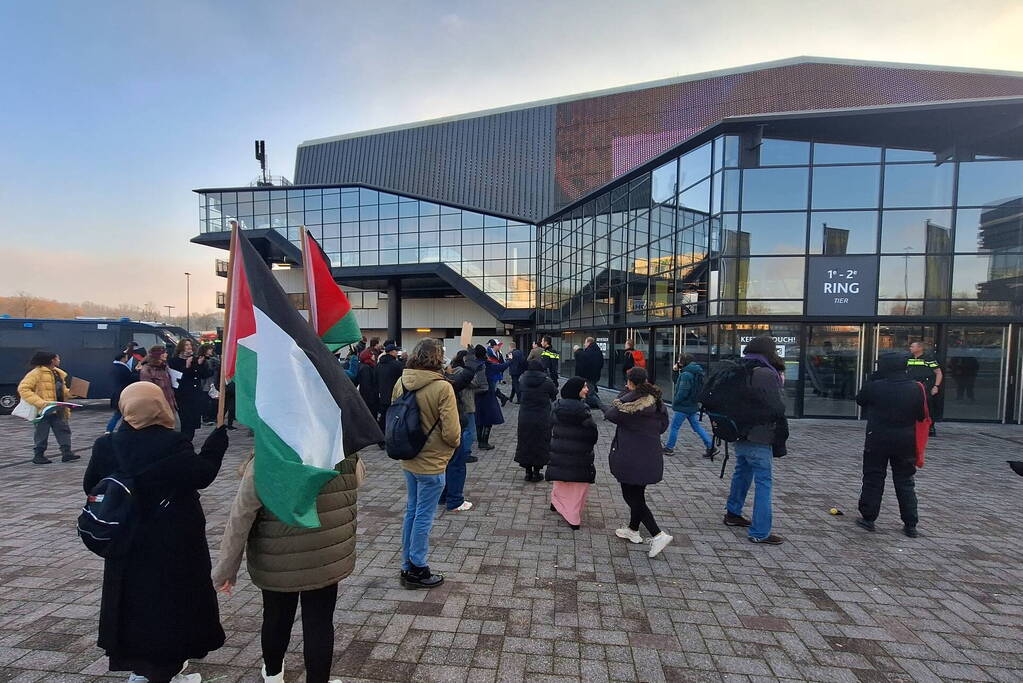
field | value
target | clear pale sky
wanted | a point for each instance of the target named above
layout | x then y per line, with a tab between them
112	112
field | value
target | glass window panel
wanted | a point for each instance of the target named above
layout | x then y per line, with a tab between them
494	222
769	233
766	189
472	253
472	236
495	234
332	230
278	206
428	209
349	214
766	277
313	201
827	153
296	204
695	165
494	250
231	197
278	220
408	255
731	151
408	225
349	229
989	277
429	239
846	187
388	211
761	307
926	231
408	240
429	255
902	308
429	222
730	191
497	267
388	257
333	245
990	183
348	259
519	251
451	255
450	239
331	201
664	182
260	207
472	220
891	154
520	233
331	215
368	227
368	258
913	277
367	197
918	185
696	198
296	218
387	198
368	212
388	241
313	217
784	152
999	228
274	194
389	226
408	209
349	198
350	244
843	232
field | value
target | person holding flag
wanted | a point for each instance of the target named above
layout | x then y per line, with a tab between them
295	512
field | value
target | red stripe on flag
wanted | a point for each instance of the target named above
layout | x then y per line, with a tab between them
243	321
327	302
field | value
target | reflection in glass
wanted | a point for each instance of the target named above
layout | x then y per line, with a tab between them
825	153
768	189
927	231
835	233
784	152
695	166
913	277
990	277
767	233
762	277
664	182
975	367
918	185
990	183
832	366
846	187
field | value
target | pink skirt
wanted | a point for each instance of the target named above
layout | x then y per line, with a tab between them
569	499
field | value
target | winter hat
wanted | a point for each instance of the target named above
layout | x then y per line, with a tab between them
535	365
480	352
892	363
572	387
390	346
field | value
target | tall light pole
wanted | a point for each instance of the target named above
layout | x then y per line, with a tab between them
188	304
168	311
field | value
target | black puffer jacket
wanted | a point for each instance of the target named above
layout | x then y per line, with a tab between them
388	372
534	429
637	456
572	441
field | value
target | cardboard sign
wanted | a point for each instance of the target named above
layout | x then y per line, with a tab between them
79	387
466	339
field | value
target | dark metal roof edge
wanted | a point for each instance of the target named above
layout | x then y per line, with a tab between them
725	124
367	186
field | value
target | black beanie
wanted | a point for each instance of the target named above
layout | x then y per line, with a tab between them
535	365
572	387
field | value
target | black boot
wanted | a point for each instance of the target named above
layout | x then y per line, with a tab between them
420	577
67	456
529	473
40	459
484	439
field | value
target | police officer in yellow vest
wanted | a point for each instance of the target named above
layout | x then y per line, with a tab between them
926	370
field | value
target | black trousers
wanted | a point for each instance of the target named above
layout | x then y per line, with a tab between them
875	468
635	498
317	630
515	388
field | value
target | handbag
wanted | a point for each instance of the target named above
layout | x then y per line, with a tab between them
923	428
25	410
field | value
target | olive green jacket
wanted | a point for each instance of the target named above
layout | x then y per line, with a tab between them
437	406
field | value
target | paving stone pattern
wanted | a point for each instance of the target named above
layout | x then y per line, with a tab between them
528	599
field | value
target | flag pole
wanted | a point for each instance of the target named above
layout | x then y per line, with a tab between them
232	253
305	279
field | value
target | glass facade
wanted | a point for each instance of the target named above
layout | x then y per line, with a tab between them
362	227
722	233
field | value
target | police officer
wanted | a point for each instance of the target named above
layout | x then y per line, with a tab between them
894	405
925	369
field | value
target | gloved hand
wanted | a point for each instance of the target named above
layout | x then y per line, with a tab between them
217	441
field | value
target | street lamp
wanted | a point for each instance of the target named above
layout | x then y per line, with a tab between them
188	304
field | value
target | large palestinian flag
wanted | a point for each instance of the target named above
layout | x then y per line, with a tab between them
329	311
304	411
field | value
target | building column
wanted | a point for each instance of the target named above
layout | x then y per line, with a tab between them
394	310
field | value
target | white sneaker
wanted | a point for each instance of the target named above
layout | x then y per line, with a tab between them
188	678
629	535
658	543
276	678
136	678
463	507
178	677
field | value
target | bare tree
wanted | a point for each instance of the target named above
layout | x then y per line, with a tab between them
24	303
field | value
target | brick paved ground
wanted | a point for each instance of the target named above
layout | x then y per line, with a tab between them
529	599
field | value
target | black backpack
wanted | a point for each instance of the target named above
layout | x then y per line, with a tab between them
106	523
731	402
404	437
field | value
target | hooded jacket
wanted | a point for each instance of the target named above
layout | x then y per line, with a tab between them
589	363
158	374
437	406
389	369
572	442
894	404
685	397
637	456
767	382
534	429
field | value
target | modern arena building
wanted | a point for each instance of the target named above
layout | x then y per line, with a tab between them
843	207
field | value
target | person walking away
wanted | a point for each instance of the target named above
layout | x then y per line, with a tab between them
367	381
684	404
190	398
154	369
120	377
424	474
516	366
461	378
389	368
894	404
754	452
589	364
923	368
550	359
496	366
535	352
158	608
292	565
479	386
210	383
637	457
634	358
488	410
532	450
44	384
571	469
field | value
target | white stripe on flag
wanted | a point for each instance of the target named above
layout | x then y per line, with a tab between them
291	397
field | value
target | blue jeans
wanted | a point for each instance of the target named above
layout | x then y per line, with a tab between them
677	419
752	465
423	493
454	487
114	419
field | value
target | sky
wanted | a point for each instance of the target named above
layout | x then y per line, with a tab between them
114	111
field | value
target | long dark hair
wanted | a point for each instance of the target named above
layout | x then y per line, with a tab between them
641	379
459	360
765	347
42	358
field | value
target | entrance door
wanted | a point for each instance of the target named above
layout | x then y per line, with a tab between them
832	367
974	384
665	354
899	337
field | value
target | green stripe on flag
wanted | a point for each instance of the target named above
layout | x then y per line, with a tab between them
342	333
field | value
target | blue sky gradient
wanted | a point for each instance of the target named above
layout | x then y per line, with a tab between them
114	111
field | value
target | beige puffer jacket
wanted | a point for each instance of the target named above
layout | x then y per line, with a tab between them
289	559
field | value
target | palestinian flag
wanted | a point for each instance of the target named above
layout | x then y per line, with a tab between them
304	411
329	311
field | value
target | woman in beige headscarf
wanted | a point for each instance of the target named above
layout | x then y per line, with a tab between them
158	608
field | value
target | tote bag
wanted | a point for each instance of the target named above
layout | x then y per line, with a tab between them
25	410
923	428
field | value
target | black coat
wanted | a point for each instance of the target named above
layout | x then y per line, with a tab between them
572	441
518	363
637	456
190	397
120	377
389	370
589	363
158	602
367	381
534	432
893	405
